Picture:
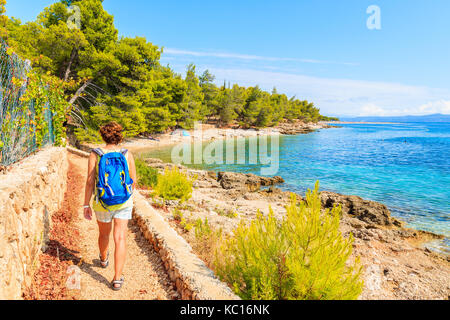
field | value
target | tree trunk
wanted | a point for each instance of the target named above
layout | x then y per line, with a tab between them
72	58
79	92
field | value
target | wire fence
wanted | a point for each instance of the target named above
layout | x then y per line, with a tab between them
17	125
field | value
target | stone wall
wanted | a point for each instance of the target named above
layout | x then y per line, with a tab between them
193	279
30	192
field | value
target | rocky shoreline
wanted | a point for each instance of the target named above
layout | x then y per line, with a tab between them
397	265
299	127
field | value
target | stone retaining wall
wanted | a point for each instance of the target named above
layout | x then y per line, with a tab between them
30	192
193	279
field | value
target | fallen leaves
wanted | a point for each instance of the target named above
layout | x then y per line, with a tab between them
49	281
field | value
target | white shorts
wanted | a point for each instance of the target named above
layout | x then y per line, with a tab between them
122	214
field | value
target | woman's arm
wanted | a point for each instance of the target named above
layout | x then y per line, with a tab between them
90	181
132	169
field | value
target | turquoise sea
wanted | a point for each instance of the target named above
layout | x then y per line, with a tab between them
405	166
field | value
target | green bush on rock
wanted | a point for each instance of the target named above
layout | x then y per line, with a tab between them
302	257
147	176
174	185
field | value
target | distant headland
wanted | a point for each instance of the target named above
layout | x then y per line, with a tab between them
399	119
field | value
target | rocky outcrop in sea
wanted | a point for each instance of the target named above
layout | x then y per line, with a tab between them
295	127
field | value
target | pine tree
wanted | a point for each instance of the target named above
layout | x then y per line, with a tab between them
302	257
107	78
3	19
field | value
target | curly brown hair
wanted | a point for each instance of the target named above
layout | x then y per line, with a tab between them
112	133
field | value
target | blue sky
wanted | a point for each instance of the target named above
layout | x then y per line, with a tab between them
317	50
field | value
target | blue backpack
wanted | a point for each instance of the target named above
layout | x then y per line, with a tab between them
114	185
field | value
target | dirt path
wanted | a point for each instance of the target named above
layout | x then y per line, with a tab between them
145	277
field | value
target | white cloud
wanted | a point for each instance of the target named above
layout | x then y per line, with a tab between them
343	96
440	106
238	56
432	107
372	110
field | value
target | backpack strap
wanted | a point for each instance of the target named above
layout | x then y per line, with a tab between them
99	152
124	151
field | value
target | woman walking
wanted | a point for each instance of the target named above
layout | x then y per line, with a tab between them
111	179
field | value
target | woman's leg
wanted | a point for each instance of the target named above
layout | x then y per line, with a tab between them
120	236
103	238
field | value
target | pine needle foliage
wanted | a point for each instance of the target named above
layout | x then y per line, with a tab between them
147	176
203	229
302	257
174	185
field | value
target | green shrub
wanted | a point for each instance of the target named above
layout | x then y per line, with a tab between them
177	215
147	176
174	185
229	213
207	241
202	228
302	257
186	225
